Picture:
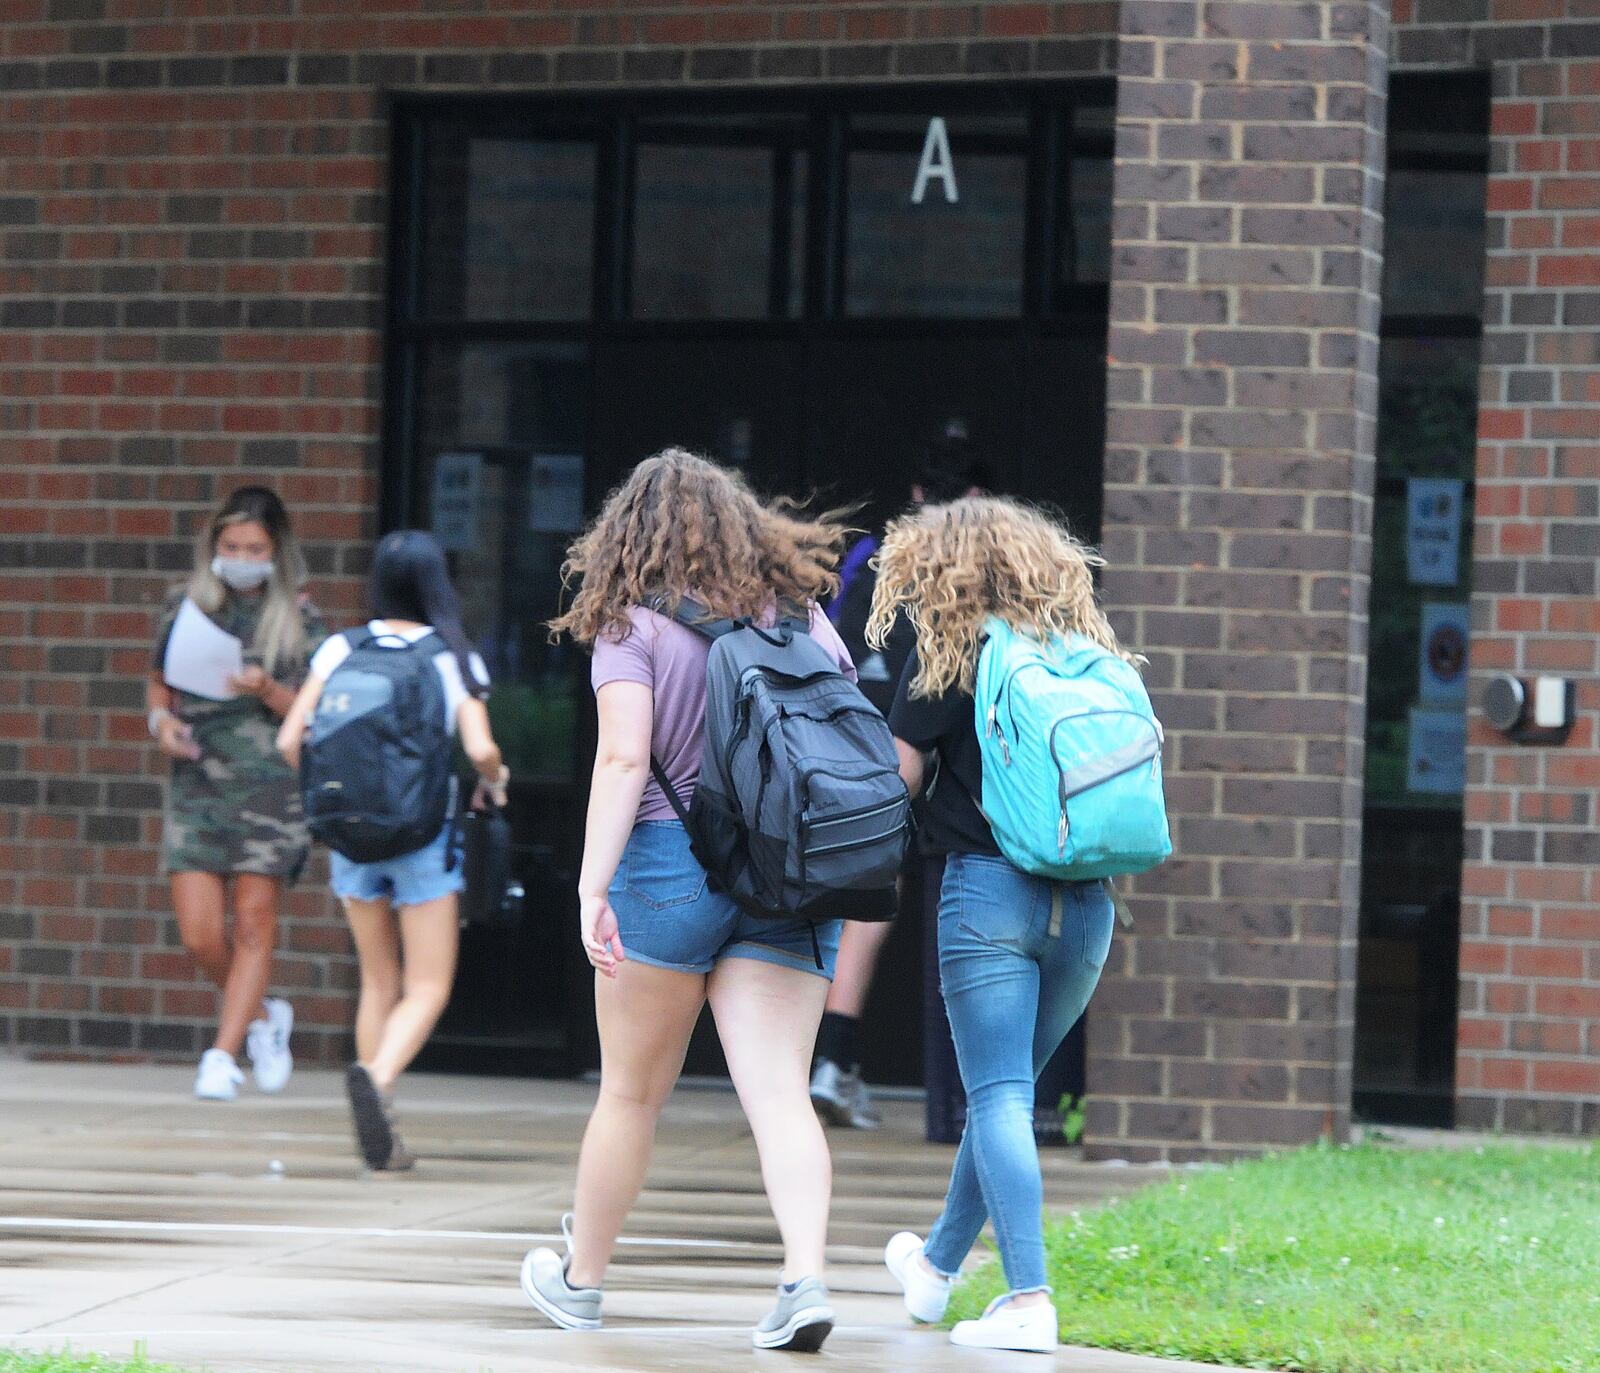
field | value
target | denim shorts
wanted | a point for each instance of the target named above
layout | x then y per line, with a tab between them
408	880
669	917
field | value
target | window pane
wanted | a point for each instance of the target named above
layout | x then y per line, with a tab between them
503	483
704	245
1090	241
959	251
1434	243
1427	427
508	227
1084	251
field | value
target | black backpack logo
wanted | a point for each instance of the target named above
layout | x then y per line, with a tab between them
799	811
376	773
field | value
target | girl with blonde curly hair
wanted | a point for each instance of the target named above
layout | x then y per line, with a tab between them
1014	949
662	943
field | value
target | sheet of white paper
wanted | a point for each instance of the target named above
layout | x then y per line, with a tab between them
200	656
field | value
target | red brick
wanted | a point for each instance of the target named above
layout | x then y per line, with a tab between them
1570	270
1568	1078
1567	999
1473	1033
1539	962
1505	1074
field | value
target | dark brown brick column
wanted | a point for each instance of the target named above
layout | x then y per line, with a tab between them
1239	463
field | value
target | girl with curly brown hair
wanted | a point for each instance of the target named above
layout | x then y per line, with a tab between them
1014	949
661	941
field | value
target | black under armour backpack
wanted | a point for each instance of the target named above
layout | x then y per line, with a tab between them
376	772
799	811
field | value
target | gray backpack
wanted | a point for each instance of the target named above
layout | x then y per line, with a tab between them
799	811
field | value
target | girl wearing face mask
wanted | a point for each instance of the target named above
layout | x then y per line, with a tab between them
233	806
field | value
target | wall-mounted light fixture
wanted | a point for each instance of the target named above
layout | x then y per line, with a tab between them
1538	712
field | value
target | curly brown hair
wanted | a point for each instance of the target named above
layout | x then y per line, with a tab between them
681	526
950	567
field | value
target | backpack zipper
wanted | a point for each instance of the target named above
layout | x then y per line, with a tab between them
805	780
1155	763
865	814
1003	694
849	844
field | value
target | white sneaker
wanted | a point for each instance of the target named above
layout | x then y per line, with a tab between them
842	1098
1031	1329
268	1043
926	1296
219	1077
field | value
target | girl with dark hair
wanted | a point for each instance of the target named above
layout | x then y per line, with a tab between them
407	967
232	809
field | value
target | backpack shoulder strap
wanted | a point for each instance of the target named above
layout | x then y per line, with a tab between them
795	618
431	643
689	613
669	791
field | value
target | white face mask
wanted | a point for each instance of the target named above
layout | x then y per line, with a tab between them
242	574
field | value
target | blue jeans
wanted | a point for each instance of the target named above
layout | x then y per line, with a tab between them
1014	951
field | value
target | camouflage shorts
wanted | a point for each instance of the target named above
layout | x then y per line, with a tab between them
219	819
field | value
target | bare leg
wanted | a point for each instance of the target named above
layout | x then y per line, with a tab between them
199	900
429	936
859	947
255	935
767	1019
377	938
645	1017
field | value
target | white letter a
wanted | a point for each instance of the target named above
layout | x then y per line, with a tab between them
936	162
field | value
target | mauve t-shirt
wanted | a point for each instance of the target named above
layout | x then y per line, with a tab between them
670	659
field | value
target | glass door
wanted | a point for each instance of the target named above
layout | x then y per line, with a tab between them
503	482
812	286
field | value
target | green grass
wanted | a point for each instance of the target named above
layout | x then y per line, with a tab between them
28	1361
1342	1260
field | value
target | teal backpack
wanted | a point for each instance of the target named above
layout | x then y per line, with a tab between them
1071	757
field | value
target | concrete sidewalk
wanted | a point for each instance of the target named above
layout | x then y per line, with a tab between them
242	1236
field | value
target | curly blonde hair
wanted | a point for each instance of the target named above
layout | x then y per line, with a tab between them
950	567
681	526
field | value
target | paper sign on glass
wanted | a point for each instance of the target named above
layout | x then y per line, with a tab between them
1442	654
456	481
555	502
201	656
1436	759
1433	530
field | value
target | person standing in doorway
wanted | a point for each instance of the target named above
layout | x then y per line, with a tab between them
232	807
949	471
663	942
1019	955
407	963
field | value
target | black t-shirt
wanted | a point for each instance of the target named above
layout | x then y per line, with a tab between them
951	821
877	669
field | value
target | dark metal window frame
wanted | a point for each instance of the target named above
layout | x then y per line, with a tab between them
1436	102
611	121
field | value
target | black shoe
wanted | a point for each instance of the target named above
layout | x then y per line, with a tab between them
374	1135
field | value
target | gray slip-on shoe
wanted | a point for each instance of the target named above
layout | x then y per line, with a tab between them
800	1321
544	1283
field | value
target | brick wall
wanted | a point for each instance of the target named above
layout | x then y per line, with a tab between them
1239	474
191	276
1529	1031
191	259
